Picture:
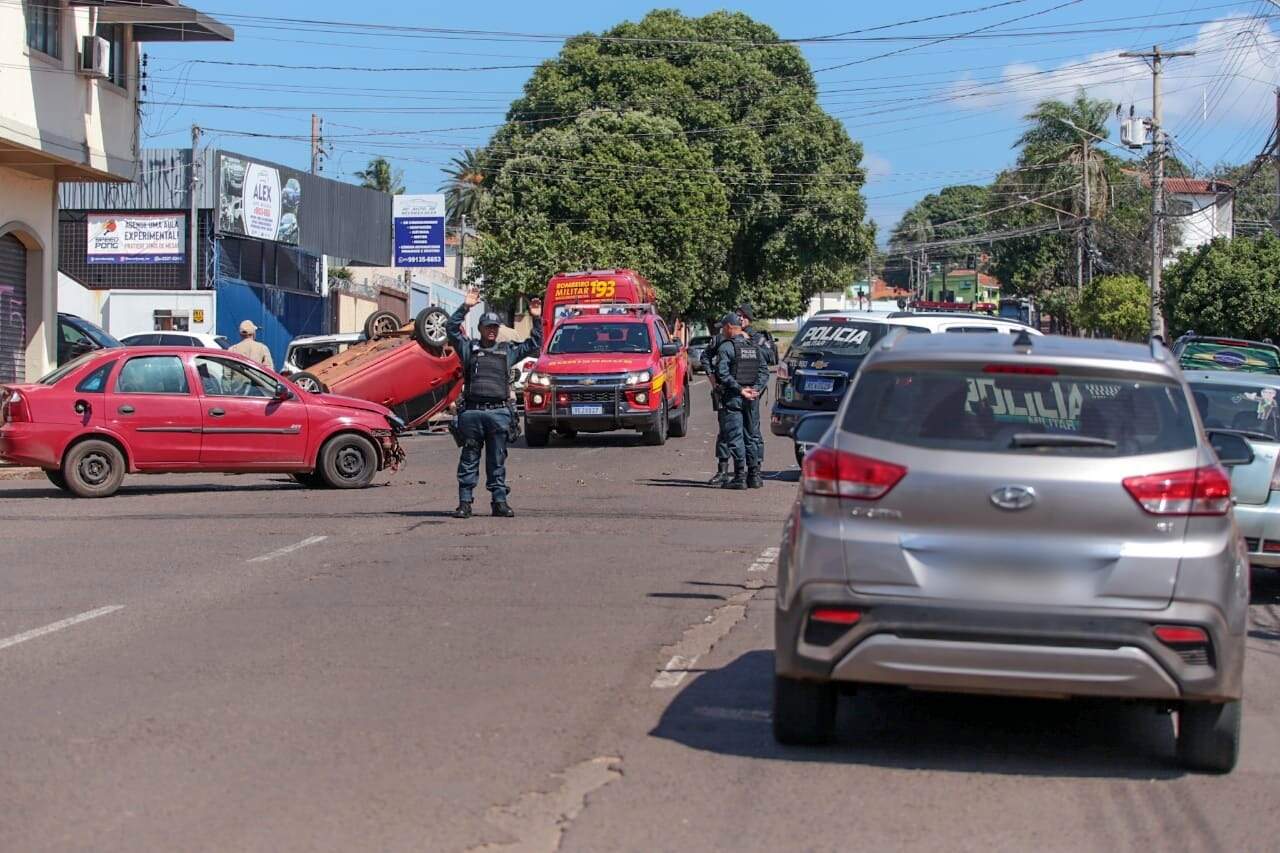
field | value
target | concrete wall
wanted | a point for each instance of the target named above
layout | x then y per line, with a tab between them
27	212
45	106
1211	217
130	312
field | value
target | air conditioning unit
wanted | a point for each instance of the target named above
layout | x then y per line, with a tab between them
95	57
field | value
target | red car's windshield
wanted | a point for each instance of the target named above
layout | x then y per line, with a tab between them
600	337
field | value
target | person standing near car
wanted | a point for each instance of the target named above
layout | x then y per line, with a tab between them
250	348
487	419
763	342
707	358
741	374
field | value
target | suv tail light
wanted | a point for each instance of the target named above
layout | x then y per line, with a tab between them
1196	491
832	473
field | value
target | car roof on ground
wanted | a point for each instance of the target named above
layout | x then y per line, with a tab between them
1232	377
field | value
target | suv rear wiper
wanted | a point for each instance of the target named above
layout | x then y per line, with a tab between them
1049	439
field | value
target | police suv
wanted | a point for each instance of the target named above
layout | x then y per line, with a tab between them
830	347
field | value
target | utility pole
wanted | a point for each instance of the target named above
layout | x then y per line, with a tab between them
193	186
1082	232
315	144
1156	57
462	247
1275	155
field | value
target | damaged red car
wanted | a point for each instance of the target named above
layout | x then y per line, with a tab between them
409	368
151	410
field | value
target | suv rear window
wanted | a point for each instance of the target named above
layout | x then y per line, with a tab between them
972	409
1248	409
837	336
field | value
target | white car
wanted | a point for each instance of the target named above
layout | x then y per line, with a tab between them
195	340
312	349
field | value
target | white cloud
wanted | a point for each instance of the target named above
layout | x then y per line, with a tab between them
1232	77
878	168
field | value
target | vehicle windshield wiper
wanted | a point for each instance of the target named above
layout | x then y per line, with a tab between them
1050	439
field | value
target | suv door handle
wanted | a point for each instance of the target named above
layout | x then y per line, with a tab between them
217	413
125	410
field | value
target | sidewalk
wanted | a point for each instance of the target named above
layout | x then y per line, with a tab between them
12	472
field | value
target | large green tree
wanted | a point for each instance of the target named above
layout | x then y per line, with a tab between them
953	213
716	173
464	183
379	175
1226	287
1116	307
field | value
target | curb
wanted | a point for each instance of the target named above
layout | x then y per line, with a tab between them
13	473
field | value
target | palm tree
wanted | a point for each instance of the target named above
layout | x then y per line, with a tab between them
1059	151
379	175
464	183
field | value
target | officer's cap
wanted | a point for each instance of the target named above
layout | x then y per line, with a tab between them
731	319
746	310
489	318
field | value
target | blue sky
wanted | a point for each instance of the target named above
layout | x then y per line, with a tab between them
944	109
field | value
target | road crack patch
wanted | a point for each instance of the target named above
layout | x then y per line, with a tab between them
537	821
698	640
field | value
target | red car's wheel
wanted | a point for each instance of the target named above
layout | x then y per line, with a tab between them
93	469
348	461
381	324
430	330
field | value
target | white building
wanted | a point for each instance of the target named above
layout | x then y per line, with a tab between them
1202	209
68	112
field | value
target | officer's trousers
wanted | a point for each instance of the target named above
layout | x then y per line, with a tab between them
487	430
722	448
732	432
752	437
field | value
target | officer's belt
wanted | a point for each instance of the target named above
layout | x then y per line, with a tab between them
476	406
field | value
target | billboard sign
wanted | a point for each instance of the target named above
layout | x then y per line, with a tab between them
419	230
257	200
137	238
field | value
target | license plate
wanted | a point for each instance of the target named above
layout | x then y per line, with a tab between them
825	386
586	410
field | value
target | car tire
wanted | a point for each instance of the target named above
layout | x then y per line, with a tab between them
1209	735
56	478
348	461
680	426
309	382
310	479
430	330
93	469
804	712
657	435
536	436
567	433
381	324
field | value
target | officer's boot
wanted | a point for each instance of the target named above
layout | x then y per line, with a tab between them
502	509
754	480
722	473
738	483
463	510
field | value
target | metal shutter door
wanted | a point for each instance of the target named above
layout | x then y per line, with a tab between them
13	310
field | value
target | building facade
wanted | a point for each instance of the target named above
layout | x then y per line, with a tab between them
69	83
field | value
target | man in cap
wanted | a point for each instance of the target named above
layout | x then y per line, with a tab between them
250	348
487	418
742	375
764	342
708	361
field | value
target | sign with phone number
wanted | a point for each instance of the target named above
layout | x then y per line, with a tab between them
596	289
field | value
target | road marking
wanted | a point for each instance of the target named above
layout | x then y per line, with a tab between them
288	549
701	638
58	626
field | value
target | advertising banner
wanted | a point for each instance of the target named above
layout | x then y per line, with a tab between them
256	200
137	238
419	230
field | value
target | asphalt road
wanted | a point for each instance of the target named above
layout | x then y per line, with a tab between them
591	675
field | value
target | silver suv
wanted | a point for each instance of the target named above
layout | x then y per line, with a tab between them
1018	515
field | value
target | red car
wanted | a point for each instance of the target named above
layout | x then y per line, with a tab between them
408	368
616	369
150	410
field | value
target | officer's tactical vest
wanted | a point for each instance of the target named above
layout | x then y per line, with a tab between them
490	378
746	362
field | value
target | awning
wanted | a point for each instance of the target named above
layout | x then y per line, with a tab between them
160	20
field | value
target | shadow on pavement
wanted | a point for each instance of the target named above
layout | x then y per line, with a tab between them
704	596
140	491
727	711
677	482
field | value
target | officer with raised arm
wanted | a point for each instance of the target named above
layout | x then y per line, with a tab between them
487	419
742	373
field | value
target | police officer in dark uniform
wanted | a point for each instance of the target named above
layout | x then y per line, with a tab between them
487	418
763	342
742	373
708	361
